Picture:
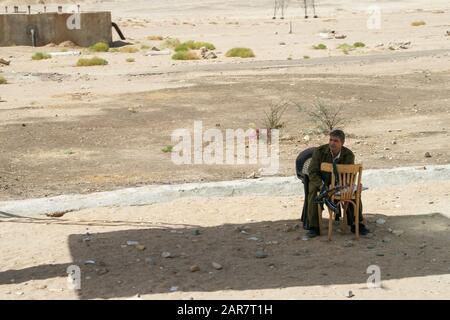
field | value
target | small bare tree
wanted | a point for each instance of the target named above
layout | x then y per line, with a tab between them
273	117
326	117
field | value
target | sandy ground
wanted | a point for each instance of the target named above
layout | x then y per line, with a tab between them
66	129
199	231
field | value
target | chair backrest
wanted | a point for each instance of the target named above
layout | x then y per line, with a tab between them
302	162
349	177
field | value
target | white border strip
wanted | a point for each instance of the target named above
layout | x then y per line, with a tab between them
268	186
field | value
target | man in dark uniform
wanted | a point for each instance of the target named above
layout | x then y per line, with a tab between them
334	152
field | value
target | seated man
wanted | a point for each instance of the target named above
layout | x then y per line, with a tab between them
332	152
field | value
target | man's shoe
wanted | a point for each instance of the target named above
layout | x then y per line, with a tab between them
362	229
313	232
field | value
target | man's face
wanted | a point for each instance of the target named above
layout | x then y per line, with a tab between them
335	144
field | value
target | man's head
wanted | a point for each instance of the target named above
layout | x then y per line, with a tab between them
337	139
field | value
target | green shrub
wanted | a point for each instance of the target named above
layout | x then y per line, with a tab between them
240	53
320	46
170	43
40	56
145	47
359	45
185	55
155	38
130	60
306	57
95	61
418	23
3	80
128	50
167	149
194	45
99	47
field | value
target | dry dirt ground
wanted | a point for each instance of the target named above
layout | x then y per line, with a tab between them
415	264
67	129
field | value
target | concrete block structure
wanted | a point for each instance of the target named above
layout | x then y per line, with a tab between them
40	29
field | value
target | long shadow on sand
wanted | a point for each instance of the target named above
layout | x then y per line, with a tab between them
121	270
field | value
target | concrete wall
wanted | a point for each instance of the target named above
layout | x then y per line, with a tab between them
52	28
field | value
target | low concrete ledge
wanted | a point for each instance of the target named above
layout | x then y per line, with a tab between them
267	186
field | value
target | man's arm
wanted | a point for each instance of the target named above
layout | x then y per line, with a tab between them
315	178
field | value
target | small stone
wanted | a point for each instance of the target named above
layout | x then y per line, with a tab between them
140	247
20	293
150	261
423	245
132	243
282	43
102	271
253	238
306	138
195	268
261	254
427	155
386	240
173	289
380	254
394	142
348	244
217	266
398	233
89	262
370	246
430	202
195	232
166	254
380	221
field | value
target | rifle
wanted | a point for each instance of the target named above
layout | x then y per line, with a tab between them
325	195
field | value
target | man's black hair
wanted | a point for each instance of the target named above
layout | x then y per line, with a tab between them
338	134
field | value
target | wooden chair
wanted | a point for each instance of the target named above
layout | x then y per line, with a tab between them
349	174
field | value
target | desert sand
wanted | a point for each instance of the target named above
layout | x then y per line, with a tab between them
67	129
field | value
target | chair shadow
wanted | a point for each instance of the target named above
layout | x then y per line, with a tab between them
123	271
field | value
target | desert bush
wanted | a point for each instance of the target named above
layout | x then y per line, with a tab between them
273	118
320	46
95	61
3	80
359	45
185	55
145	47
99	47
40	56
170	43
240	53
194	45
130	60
418	23
167	149
326	117
155	38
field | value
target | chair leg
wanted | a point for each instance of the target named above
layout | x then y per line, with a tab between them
320	218
357	220
330	224
344	225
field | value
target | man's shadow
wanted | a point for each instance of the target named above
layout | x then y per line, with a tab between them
123	270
